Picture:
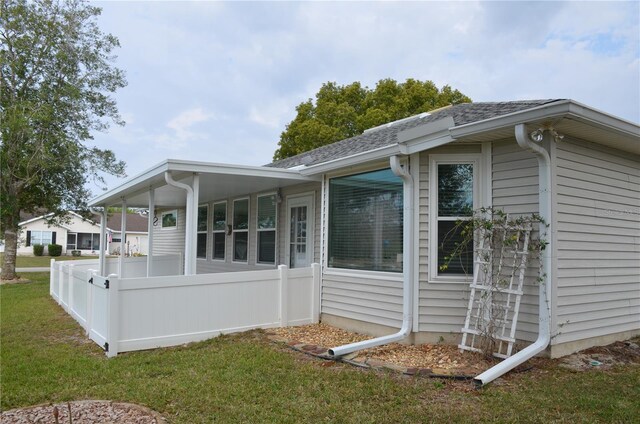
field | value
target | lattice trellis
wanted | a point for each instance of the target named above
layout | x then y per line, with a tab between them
500	263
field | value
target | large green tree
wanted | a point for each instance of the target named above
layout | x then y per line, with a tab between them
343	111
57	74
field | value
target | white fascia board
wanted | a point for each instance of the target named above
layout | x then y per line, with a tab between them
559	109
145	180
28	221
357	159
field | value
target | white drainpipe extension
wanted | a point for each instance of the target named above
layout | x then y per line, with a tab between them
544	297
189	224
407	267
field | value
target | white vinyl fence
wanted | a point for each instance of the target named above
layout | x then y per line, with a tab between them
125	314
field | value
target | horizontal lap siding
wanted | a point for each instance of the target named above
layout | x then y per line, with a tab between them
369	297
169	241
515	191
598	246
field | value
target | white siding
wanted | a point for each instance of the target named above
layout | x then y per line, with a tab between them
598	241
169	241
374	297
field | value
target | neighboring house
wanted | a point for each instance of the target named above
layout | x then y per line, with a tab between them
79	233
369	210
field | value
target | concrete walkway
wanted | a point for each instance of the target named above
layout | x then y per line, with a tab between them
32	269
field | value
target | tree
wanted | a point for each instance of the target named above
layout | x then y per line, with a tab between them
57	74
345	111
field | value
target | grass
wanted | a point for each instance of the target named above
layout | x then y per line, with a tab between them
244	378
39	261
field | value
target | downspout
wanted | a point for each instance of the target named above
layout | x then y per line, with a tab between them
407	267
544	296
188	225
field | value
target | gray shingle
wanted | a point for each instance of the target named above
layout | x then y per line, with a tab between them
384	136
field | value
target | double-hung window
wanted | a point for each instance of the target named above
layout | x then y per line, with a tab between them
41	237
266	229
219	230
365	221
201	249
453	198
240	230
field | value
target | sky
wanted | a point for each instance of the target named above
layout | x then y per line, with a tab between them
219	81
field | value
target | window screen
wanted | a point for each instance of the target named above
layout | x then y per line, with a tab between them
201	243
267	229
219	230
240	229
365	221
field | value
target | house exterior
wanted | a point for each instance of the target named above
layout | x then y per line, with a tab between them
79	233
372	211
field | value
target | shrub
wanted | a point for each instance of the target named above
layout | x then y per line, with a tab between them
38	249
76	253
54	249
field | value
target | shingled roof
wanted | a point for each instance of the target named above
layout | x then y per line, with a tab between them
387	135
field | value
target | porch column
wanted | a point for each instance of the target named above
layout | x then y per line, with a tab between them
194	224
123	231
103	241
152	209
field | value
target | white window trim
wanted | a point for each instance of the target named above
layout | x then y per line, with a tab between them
206	232
480	188
224	231
234	231
31	243
162	227
259	230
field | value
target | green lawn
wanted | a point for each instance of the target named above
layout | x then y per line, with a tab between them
37	261
244	378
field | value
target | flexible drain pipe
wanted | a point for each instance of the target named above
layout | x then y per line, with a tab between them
407	267
188	251
544	296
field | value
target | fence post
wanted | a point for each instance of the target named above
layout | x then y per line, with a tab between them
60	284
284	294
52	270
315	293
70	284
113	315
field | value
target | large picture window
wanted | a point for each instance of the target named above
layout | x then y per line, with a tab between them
219	230
453	198
201	249
266	229
240	229
365	221
41	237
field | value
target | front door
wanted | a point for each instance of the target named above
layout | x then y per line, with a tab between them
300	220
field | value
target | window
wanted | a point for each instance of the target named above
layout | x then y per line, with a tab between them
454	196
71	241
266	229
365	221
219	230
240	229
41	237
169	220
88	241
201	243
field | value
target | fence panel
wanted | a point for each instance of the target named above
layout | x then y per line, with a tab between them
99	319
54	281
64	285
78	292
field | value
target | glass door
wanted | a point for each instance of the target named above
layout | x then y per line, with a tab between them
300	231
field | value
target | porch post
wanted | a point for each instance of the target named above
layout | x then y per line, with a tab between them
152	209
123	231
103	241
194	224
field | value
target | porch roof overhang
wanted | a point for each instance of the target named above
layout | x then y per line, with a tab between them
217	182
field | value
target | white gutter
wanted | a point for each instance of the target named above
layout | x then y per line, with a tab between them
544	297
407	267
189	225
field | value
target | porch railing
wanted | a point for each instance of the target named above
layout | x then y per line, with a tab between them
126	314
